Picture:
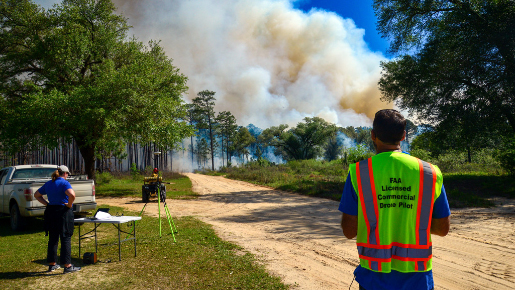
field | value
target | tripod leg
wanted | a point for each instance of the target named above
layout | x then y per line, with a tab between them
169	216
168	211
140	213
159	207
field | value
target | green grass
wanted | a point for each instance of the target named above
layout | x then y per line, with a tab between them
126	185
198	260
327	179
471	189
308	177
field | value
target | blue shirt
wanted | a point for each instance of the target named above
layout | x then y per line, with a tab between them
394	280
56	191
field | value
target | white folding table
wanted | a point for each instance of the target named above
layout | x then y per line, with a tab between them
116	221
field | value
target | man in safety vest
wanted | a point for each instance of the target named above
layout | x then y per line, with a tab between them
392	203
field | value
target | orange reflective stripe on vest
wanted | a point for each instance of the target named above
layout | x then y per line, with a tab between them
373	251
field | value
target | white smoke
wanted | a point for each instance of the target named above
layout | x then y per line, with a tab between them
268	63
345	141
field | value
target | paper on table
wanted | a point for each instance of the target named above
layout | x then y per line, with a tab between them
102	215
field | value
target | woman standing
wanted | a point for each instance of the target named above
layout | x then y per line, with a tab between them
58	218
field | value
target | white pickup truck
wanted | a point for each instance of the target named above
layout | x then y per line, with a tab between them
19	183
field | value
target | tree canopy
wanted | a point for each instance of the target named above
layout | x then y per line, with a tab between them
204	105
303	142
456	64
72	72
359	135
242	141
227	129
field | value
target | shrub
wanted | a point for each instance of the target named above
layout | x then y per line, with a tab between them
506	155
457	161
451	161
135	173
421	154
485	156
263	162
356	154
148	170
103	177
134	169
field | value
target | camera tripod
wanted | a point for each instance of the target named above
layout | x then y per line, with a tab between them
161	197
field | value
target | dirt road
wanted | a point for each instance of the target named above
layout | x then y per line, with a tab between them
299	238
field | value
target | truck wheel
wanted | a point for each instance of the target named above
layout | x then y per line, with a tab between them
17	221
144	195
163	193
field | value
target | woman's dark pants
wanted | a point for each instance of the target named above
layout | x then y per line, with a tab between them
59	225
66	248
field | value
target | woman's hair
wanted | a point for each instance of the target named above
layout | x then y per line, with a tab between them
56	174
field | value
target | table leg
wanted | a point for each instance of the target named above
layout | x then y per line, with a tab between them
134	231
79	241
96	244
119	245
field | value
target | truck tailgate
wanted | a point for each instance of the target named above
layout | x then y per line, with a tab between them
83	190
84	198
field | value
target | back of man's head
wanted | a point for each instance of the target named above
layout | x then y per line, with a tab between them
389	126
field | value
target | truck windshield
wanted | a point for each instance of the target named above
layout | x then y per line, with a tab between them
33	173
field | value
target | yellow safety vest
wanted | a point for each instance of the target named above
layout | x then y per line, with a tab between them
396	193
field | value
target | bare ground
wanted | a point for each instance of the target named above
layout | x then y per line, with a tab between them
299	238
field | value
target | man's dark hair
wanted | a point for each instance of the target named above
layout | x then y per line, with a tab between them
389	126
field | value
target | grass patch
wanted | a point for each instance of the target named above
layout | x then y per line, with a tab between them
199	259
472	189
327	179
307	177
127	185
459	199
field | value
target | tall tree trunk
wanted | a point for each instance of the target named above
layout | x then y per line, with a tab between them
88	154
136	155
211	139
155	157
129	156
510	117
192	164
223	160
227	148
78	166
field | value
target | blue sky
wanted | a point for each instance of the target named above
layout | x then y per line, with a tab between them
360	11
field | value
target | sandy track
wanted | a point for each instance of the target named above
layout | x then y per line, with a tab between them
299	238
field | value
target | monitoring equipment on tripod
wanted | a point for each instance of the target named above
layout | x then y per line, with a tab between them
153	186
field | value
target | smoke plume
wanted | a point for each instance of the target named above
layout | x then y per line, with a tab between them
268	63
